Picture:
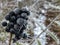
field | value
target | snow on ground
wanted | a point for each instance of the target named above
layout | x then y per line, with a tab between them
39	23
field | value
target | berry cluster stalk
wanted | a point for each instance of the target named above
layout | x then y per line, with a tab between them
10	39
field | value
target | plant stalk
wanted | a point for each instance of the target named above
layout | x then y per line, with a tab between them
10	39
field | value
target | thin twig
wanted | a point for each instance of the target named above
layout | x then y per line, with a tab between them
10	39
44	30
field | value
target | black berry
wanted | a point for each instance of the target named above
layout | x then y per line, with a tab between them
24	36
4	23
7	17
25	11
12	31
13	18
12	13
20	21
7	29
17	11
10	25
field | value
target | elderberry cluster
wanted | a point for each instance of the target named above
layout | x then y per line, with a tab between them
17	23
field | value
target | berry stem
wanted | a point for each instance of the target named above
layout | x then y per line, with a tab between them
10	39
